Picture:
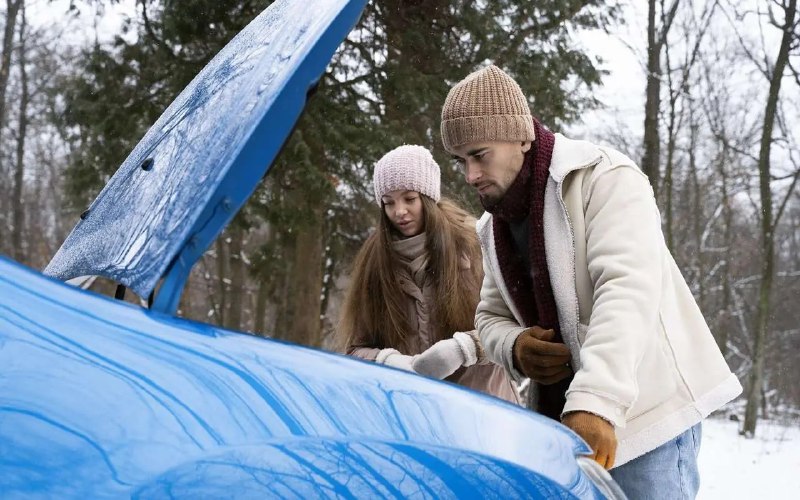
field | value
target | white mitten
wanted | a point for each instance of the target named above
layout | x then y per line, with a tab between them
471	346
443	358
393	358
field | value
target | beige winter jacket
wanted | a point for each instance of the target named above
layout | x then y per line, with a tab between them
643	355
415	283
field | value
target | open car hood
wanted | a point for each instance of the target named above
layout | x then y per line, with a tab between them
201	160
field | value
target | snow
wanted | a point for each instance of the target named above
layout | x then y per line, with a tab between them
766	467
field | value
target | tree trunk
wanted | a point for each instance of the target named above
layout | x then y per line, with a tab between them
767	225
724	326
12	9
18	208
233	318
305	303
656	38
328	288
283	316
6	175
266	282
221	260
261	307
668	179
652	143
697	219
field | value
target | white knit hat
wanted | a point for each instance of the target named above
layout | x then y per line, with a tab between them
407	167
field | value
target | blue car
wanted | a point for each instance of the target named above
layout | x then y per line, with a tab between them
101	398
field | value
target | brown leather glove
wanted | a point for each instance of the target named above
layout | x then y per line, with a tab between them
540	359
597	432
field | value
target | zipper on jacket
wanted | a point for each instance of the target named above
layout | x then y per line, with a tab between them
560	186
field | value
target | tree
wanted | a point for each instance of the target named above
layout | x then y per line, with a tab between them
31	154
710	184
17	202
693	33
769	216
656	38
12	10
378	93
384	87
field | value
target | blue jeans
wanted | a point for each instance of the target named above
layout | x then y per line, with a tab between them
666	473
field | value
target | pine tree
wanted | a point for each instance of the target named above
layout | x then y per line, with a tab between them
384	87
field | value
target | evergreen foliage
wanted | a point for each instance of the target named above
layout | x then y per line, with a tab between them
384	87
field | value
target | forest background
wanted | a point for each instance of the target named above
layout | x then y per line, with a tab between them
705	94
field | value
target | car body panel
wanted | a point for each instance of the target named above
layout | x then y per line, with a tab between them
101	398
363	469
201	160
125	399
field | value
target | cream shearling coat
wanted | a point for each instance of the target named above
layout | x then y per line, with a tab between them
643	356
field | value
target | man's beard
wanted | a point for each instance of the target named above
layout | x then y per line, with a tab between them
489	200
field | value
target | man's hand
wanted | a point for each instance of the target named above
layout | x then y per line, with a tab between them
540	359
597	432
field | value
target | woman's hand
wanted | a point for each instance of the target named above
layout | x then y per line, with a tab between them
443	358
395	359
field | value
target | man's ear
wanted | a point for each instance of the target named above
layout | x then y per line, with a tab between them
526	146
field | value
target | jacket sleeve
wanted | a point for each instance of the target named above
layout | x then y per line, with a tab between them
496	324
362	346
366	353
624	246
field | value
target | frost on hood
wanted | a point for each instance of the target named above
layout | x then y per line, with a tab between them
145	214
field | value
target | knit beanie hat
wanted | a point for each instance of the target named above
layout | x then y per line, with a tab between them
487	105
407	167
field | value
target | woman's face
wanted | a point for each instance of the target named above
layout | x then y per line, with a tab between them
404	210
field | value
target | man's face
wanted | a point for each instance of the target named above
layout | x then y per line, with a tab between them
491	167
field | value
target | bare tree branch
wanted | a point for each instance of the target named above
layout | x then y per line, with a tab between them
765	70
667	17
786	198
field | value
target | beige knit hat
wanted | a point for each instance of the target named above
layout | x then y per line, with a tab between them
407	167
487	105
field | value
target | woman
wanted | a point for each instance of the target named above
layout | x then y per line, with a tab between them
417	279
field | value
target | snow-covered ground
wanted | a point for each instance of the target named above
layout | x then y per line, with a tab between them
764	468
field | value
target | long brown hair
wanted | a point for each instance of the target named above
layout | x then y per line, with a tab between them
374	312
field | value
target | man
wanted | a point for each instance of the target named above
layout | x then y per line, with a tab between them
581	294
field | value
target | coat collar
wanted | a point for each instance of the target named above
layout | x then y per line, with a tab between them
570	155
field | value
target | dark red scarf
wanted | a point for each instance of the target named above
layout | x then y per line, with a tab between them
533	297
